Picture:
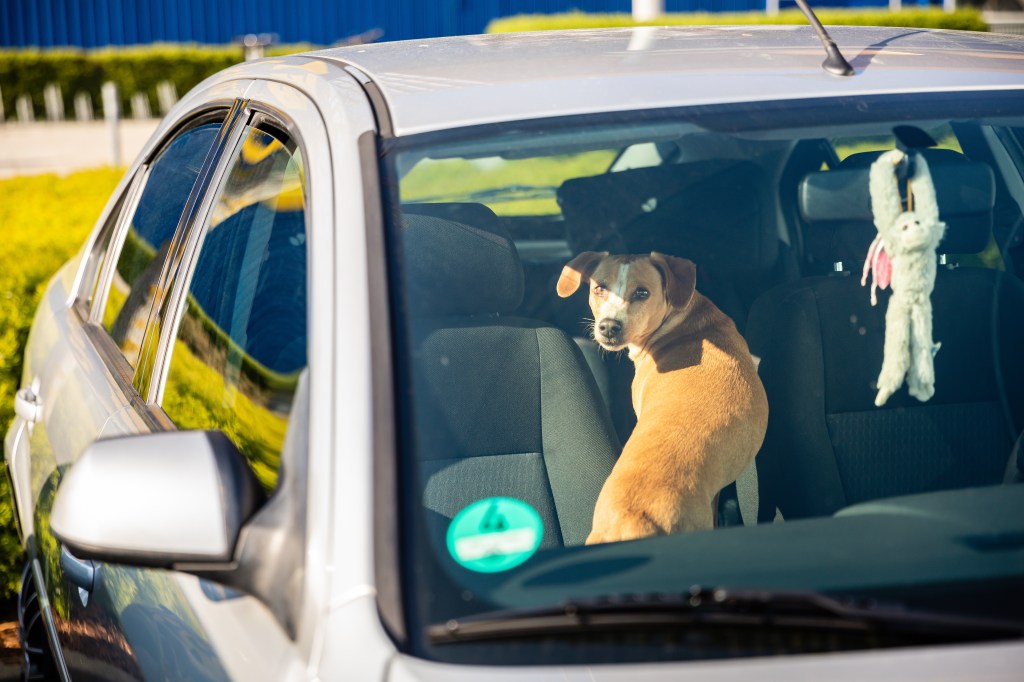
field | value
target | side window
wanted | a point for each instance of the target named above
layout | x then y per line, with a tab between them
171	177
241	343
89	288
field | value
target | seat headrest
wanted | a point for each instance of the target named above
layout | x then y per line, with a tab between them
836	205
453	268
719	214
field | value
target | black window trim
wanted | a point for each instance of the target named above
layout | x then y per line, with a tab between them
387	528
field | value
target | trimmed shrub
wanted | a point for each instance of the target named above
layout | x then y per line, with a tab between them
133	69
44	220
964	19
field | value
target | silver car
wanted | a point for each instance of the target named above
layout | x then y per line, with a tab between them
307	406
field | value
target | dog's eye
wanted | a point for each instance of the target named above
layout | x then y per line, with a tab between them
600	290
641	295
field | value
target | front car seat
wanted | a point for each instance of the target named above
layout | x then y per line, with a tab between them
503	406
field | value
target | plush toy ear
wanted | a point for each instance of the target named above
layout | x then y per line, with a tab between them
680	278
580	267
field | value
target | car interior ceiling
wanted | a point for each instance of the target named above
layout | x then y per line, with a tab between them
793	292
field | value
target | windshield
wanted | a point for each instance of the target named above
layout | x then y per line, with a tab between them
767	347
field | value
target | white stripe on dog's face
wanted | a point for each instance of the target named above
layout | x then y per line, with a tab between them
623	282
615	297
621	316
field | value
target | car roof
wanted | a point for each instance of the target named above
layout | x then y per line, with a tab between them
442	83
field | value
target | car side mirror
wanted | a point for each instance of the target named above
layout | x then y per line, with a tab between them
158	499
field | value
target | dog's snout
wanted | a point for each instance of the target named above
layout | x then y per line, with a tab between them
609	328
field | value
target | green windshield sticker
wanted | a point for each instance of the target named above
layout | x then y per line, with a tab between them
494	534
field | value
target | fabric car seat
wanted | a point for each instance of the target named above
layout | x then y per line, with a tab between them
820	343
502	406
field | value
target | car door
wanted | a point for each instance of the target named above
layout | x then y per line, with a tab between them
227	351
232	354
226	348
80	375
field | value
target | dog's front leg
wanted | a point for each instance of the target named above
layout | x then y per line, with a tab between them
616	525
657	514
629	505
653	489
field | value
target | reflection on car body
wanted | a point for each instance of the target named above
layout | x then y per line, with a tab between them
306	404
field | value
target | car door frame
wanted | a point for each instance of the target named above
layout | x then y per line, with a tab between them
105	368
209	174
293	111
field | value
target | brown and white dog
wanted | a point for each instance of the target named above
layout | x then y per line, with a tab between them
701	409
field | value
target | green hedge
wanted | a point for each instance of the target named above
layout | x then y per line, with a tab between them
140	69
135	69
44	219
965	19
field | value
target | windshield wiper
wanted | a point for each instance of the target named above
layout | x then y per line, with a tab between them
718	607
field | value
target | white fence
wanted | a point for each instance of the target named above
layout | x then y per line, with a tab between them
53	103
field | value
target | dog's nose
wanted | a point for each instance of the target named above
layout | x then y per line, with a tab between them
609	328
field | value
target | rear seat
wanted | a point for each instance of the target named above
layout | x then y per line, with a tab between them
835	208
720	214
820	341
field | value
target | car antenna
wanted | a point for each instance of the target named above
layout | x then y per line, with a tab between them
835	63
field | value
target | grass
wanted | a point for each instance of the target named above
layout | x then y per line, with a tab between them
43	219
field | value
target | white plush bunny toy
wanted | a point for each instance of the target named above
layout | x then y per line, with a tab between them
905	250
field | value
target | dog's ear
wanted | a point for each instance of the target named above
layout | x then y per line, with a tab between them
580	267
680	278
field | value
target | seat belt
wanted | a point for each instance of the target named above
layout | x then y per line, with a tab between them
1015	464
